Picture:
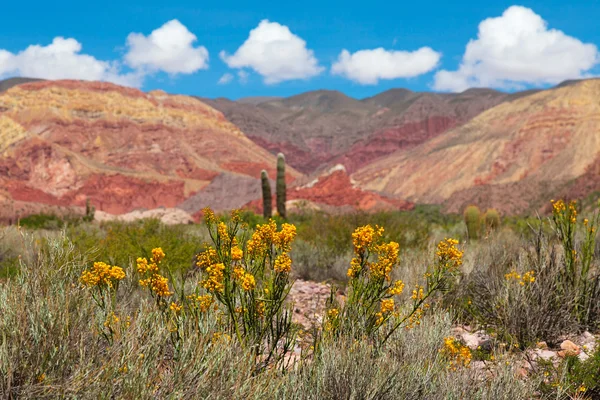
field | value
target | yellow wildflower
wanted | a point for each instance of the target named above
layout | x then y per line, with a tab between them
238	272
209	216
449	256
207	258
333	313
236	253
355	268
214	282
160	285
248	282
283	263
387	305
284	238
175	307
363	237
157	255
102	274
397	288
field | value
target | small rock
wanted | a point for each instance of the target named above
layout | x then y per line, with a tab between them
545	354
542	345
583	356
587	337
569	349
477	340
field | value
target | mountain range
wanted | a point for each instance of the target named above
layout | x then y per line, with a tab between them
63	142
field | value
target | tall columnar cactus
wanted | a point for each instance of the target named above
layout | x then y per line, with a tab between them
281	189
473	221
492	219
90	211
266	192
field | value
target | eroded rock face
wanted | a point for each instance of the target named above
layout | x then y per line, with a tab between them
334	191
513	155
63	142
318	129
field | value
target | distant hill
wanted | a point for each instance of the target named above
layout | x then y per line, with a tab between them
10	82
63	142
321	128
515	156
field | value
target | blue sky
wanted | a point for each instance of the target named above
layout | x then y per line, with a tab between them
421	44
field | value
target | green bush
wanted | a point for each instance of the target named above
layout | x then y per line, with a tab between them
492	219
119	243
42	221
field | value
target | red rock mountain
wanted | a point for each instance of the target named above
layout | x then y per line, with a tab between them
316	130
63	142
515	156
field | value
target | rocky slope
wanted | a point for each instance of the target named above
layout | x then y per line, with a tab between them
513	156
65	141
322	128
333	191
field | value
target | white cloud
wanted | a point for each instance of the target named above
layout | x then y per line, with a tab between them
369	66
515	49
62	59
168	48
274	52
225	79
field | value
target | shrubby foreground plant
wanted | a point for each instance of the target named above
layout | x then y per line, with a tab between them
77	328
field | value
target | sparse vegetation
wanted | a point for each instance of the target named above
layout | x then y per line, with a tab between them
144	310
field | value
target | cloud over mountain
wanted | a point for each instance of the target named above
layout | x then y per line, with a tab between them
518	49
275	53
369	66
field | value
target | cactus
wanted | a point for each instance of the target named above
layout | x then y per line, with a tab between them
473	221
492	219
281	189
90	211
266	192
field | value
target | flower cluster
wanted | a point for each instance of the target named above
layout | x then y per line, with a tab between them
202	302
175	307
157	283
214	278
387	257
526	278
283	263
363	238
397	289
456	353
102	275
560	208
366	240
248	282
449	256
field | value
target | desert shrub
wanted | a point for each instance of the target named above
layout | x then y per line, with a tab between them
491	219
370	309
42	221
583	377
511	291
547	288
250	278
580	279
175	340
319	263
118	243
